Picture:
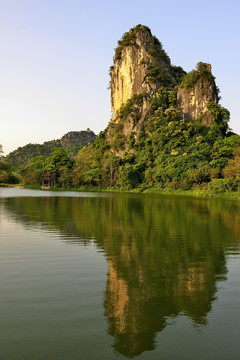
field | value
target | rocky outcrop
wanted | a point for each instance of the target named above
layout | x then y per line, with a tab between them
140	66
76	139
195	92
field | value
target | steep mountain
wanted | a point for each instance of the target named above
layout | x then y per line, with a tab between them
140	72
72	142
141	67
167	127
167	130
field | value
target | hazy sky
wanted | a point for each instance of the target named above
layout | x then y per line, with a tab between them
55	57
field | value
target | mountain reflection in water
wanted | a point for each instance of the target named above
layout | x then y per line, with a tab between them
165	255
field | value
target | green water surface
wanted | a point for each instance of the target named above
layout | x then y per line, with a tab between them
105	276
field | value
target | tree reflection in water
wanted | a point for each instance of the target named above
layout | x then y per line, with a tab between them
165	255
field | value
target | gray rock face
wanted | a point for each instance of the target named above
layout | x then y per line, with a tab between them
131	73
192	101
141	66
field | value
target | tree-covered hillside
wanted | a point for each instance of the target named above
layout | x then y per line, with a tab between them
172	135
170	153
72	142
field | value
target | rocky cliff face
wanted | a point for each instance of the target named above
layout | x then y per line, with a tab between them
137	58
194	95
140	67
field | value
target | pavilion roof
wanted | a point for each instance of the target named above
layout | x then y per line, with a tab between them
46	176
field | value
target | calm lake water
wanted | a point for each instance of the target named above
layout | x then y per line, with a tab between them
105	276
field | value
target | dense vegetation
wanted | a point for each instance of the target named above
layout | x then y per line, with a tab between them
168	153
72	142
7	175
191	78
58	164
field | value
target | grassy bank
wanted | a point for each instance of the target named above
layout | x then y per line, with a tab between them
231	195
17	186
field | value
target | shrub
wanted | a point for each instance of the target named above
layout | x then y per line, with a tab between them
128	39
118	143
190	79
232	170
219	186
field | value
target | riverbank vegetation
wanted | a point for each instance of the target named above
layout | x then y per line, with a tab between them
169	156
149	145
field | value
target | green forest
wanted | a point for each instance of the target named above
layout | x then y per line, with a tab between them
169	153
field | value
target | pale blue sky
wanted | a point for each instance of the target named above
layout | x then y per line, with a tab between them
55	56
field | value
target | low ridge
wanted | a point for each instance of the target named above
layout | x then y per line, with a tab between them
72	142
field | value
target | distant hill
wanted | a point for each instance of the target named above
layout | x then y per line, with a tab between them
73	141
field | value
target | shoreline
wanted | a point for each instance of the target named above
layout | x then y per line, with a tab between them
16	186
190	193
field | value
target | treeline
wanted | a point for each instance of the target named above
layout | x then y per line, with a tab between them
58	163
72	142
7	175
169	153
